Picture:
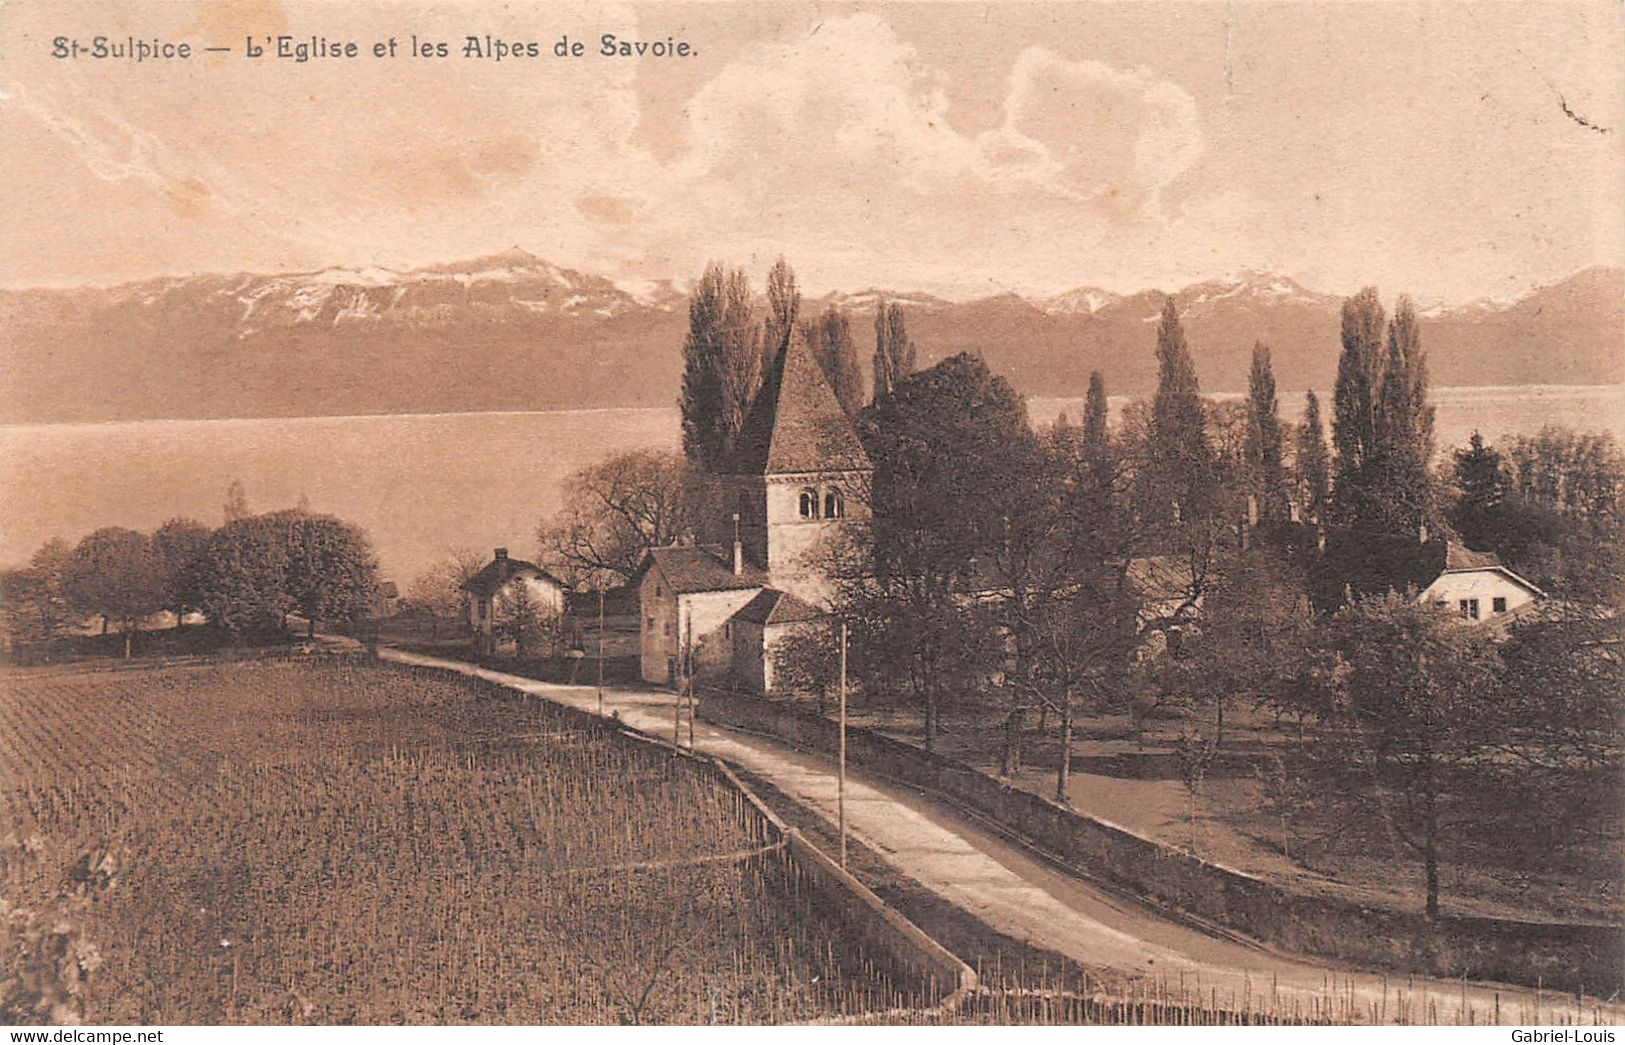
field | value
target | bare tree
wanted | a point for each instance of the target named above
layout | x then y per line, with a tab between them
613	512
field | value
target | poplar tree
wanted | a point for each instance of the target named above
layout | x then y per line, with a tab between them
740	363
783	305
894	352
1267	474
1180	461
1097	449
1401	485
1354	423
722	365
702	377
1313	464
830	337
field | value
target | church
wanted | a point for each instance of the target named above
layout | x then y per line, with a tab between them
798	474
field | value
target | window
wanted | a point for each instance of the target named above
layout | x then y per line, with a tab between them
651	624
834	506
668	629
1468	609
809	504
1498	604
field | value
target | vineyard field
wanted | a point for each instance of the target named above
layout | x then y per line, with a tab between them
326	840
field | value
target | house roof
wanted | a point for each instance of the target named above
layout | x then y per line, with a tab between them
701	567
501	570
796	424
771	606
1461	559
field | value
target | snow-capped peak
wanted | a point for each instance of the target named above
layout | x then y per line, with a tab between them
1078	301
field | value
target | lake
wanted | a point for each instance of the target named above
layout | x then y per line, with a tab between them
422	485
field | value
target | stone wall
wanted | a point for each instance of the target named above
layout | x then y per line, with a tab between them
1562	956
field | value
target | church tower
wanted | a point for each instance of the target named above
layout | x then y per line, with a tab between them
799	473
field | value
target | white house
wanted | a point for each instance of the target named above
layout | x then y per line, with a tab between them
1478	586
504	574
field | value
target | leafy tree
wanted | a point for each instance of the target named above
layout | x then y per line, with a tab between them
1265	454
1256	631
830	337
1077	633
1576	475
1415	715
940	444
331	572
807	660
613	512
177	548
783	307
244	571
1560	522
1561	717
894	352
32	601
112	573
1178	484
1312	464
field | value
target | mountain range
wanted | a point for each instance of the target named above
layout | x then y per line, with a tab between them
514	332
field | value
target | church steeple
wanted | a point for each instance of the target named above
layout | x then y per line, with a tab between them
796	425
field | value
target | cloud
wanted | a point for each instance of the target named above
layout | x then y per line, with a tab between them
1088	131
848	100
838	141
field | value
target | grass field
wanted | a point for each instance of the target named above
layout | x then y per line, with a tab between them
1130	775
321	840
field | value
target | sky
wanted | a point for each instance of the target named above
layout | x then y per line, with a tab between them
1452	151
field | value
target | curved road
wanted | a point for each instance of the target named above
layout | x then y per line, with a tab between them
1024	897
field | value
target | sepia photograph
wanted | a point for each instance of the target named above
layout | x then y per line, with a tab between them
833	513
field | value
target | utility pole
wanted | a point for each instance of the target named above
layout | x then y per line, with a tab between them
840	779
600	647
686	675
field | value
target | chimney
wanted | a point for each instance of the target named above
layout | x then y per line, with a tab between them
739	549
501	553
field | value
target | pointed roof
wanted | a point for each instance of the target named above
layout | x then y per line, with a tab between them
796	424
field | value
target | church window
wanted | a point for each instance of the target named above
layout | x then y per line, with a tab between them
834	505
809	504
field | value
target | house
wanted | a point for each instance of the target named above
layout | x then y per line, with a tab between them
1477	585
798	475
504	576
